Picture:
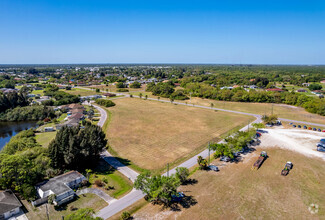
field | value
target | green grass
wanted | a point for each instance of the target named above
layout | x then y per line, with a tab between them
81	92
35	92
115	179
84	201
45	138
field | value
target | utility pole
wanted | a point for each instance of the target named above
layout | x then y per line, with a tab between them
272	109
209	153
47	213
190	97
167	169
248	126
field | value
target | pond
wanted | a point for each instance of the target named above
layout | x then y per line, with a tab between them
10	129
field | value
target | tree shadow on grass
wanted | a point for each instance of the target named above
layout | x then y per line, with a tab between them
190	182
126	162
185	203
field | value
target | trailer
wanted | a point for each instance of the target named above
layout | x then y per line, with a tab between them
286	168
260	160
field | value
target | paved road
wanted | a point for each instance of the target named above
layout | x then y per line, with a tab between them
98	192
135	195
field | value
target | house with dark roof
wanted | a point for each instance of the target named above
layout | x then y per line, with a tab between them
62	186
9	204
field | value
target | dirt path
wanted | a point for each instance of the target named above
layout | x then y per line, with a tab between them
301	141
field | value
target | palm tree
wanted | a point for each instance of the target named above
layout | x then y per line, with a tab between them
158	98
88	172
145	97
211	104
171	100
140	95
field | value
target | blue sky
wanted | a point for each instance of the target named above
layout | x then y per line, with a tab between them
98	31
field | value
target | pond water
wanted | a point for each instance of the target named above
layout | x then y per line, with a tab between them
10	129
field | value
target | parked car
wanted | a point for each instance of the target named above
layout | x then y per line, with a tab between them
258	134
323	130
309	128
314	129
320	130
290	123
299	126
213	168
178	197
225	158
322	141
294	126
305	127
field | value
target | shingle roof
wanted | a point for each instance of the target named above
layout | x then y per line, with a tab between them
8	201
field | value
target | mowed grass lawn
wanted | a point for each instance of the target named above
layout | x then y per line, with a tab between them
151	134
45	138
81	92
237	192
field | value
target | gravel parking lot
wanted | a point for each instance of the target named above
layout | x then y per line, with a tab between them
301	141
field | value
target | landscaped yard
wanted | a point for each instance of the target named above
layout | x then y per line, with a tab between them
237	192
84	201
119	184
151	134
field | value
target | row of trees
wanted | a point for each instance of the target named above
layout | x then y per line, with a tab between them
160	189
28	113
166	90
233	143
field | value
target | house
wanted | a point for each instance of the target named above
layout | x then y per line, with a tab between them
9	204
77	116
62	186
323	81
301	90
109	94
236	86
48	129
306	84
253	87
275	90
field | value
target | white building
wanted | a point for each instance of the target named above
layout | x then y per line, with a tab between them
9	204
62	186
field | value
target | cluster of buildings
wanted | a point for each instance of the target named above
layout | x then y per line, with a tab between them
75	114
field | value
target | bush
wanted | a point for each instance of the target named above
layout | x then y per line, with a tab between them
182	173
125	215
104	102
99	183
122	90
105	180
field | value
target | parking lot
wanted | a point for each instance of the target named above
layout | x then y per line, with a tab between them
299	140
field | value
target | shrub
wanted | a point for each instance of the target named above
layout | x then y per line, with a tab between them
105	180
104	102
99	183
122	90
125	215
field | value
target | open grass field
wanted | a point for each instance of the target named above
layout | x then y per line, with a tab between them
281	110
112	88
45	138
84	201
237	192
81	92
115	179
151	134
